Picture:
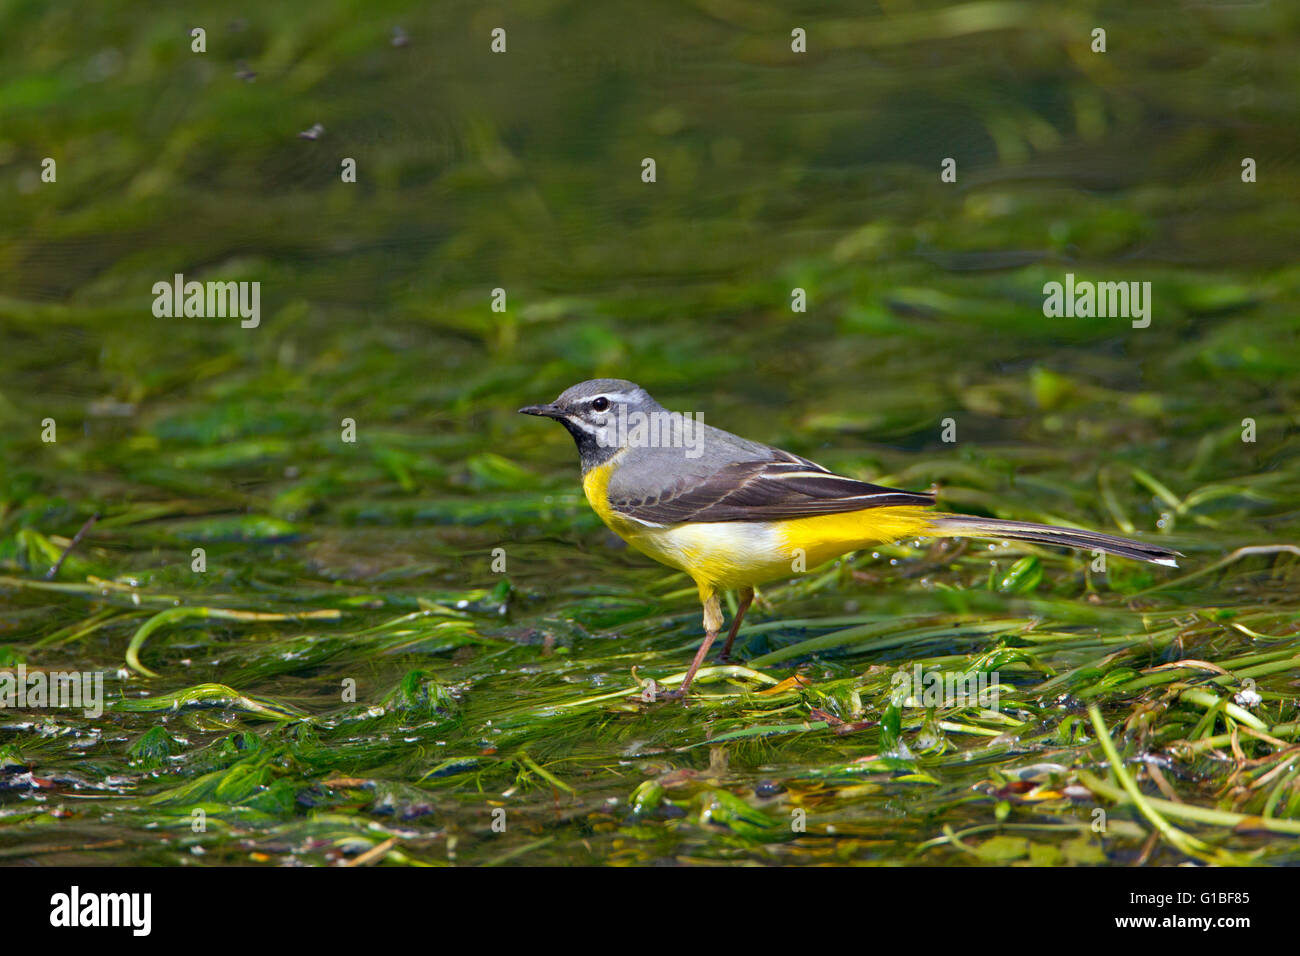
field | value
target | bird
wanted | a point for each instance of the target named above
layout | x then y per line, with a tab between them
734	513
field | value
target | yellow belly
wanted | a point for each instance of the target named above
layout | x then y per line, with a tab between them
733	554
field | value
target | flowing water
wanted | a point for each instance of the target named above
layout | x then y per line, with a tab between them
347	604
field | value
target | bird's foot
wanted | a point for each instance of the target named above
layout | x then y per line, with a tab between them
681	693
652	692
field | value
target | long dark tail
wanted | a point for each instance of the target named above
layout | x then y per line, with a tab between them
970	526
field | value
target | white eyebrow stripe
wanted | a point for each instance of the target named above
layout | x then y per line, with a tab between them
615	396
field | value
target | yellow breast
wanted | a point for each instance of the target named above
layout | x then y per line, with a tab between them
595	485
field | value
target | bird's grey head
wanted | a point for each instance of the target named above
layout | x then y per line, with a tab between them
592	411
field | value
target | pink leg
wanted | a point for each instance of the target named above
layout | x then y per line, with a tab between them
746	598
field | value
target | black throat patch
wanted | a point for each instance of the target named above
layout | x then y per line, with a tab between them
590	452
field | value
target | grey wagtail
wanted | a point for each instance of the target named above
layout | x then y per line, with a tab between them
733	513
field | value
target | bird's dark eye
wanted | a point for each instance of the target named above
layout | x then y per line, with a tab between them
600	404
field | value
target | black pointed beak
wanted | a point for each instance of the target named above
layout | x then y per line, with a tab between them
546	411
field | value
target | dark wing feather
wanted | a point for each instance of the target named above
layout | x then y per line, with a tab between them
764	491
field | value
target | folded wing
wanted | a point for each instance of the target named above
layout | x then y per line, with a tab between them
763	491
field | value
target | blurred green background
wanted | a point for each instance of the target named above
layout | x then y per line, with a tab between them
522	171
